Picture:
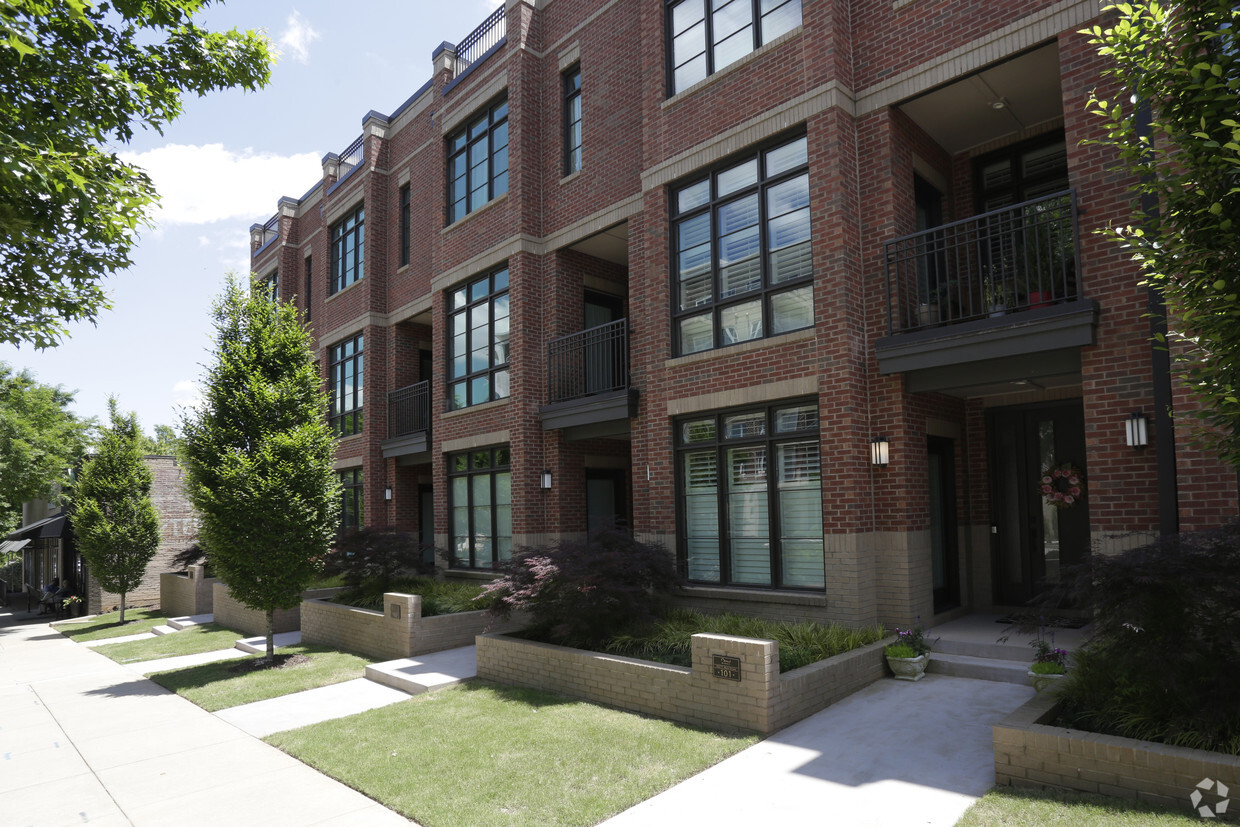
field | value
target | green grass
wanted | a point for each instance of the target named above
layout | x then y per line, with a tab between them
487	754
670	641
205	638
439	597
1036	808
212	686
108	625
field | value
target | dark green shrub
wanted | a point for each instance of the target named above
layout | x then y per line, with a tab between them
374	556
581	593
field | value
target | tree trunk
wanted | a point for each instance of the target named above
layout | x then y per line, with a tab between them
122	608
271	638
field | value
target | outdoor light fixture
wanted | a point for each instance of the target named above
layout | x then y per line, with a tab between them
879	451
387	493
546	479
1138	433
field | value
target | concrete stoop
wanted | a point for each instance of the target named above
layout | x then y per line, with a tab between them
179	623
258	645
425	673
979	668
970	648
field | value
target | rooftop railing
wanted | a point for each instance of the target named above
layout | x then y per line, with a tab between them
1004	261
350	157
589	362
409	410
271	228
480	40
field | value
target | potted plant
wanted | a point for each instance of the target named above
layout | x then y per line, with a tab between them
1049	663
908	656
73	605
995	295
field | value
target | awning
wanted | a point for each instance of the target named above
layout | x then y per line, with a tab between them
47	528
11	546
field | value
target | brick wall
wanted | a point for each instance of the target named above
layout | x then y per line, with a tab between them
232	614
191	593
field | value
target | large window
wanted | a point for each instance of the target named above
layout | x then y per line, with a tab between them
309	285
743	264
572	120
478	161
404	225
480	486
704	36
348	240
271	286
478	351
351	514
345	386
749	490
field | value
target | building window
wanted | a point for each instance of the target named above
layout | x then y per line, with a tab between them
351	513
1021	172
345	386
348	241
749	491
478	352
478	161
743	263
404	225
309	283
480	486
707	35
271	286
572	120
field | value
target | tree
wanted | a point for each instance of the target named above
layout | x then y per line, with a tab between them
74	78
165	443
259	455
40	438
113	517
1180	141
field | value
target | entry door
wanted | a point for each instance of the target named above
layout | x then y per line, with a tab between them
426	522
601	366
944	548
1032	540
606	504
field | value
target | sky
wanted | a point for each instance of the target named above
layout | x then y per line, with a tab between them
222	166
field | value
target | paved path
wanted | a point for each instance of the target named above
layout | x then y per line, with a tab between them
299	709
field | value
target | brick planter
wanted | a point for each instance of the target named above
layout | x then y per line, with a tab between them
191	593
1029	752
708	694
399	631
234	615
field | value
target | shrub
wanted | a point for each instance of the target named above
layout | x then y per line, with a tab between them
374	556
438	597
1164	661
580	593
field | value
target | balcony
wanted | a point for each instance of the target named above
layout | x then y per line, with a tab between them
1003	285
588	383
409	421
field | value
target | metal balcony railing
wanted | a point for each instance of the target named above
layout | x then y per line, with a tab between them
481	39
409	410
352	156
589	362
1004	261
271	228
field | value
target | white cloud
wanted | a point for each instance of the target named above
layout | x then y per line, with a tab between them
298	36
186	394
209	183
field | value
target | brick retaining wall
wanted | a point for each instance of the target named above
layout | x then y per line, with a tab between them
399	631
189	593
1029	752
233	615
762	700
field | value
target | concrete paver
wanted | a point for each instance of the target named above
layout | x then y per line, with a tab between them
299	709
148	667
123	639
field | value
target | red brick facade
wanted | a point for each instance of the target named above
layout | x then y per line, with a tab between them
849	78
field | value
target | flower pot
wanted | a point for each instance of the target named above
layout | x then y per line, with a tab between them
998	310
927	315
908	669
1041	298
1044	682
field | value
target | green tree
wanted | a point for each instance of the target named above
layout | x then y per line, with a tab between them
40	439
76	77
259	454
1175	123
113	517
165	442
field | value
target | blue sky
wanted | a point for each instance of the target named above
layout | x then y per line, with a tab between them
221	167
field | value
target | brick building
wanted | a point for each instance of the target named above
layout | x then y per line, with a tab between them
805	290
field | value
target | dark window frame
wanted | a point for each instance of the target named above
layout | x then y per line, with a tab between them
1020	183
463	465
766	289
758	37
478	128
573	143
353	499
343	385
347	261
309	284
405	214
461	301
271	285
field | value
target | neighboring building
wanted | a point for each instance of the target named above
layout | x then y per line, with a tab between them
50	550
698	268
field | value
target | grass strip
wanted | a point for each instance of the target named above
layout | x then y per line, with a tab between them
487	754
1038	808
108	625
208	637
215	686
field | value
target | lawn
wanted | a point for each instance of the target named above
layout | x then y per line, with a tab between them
218	685
487	754
1036	808
108	625
205	638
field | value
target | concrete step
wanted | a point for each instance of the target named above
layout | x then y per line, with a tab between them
163	630
258	645
985	669
1014	650
425	673
179	623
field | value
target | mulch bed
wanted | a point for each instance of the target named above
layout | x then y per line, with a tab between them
277	662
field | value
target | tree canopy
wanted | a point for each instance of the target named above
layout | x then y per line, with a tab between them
76	77
1176	127
114	519
259	455
40	438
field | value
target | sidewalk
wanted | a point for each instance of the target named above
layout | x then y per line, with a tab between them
85	740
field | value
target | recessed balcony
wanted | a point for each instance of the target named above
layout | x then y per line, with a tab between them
409	421
588	383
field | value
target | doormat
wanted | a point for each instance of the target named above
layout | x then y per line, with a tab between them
1055	622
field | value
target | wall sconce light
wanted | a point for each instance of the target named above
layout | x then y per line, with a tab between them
880	450
1137	430
387	493
546	480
